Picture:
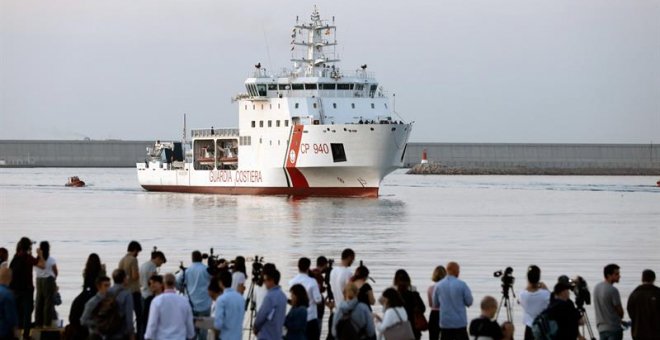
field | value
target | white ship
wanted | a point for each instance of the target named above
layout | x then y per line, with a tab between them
309	131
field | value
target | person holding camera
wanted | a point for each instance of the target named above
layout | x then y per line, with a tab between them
534	299
194	281
563	312
22	284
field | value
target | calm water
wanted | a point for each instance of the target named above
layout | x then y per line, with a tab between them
566	225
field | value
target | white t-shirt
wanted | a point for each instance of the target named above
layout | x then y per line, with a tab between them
48	270
339	276
237	278
533	303
313	292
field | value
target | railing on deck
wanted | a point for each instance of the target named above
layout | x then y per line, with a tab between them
214	133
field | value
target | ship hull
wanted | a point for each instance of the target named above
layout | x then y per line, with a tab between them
306	161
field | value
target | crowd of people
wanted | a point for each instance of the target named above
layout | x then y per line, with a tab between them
212	301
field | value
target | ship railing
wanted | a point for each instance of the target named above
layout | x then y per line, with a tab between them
197	133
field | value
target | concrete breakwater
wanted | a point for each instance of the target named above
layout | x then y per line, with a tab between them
534	159
444	158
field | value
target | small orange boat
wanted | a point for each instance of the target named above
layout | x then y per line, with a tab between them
657	183
75	182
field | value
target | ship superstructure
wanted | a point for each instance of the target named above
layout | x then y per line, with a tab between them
311	130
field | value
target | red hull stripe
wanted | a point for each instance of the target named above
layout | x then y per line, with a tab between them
327	192
298	180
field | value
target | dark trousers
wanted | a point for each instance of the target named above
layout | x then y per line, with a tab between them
320	310
434	325
137	307
45	310
24	306
529	335
454	334
312	331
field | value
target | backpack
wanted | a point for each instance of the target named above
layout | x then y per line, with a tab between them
106	315
346	327
544	328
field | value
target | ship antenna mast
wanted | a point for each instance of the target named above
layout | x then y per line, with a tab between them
314	39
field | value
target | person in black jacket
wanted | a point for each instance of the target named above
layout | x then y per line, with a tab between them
644	308
564	312
412	302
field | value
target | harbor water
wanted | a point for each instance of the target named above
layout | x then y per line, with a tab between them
566	225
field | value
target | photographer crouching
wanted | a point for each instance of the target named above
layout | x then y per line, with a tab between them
194	282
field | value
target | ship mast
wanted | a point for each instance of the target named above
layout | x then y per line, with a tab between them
314	40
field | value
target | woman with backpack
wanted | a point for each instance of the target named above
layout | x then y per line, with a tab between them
412	302
394	312
46	288
352	320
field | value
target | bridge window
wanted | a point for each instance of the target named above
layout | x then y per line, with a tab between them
297	87
283	87
272	87
261	88
344	86
373	89
327	86
310	86
359	87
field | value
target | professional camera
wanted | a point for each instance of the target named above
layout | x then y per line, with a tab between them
257	270
507	277
214	262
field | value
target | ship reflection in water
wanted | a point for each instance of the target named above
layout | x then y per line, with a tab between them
566	225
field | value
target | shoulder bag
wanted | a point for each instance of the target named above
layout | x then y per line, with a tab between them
402	330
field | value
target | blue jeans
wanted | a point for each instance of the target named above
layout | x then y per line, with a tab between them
200	334
611	335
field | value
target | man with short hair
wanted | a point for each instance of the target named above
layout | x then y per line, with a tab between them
313	293
534	299
149	269
644	308
341	274
195	282
452	296
270	317
87	319
157	287
170	315
607	303
319	275
124	299
229	310
484	327
8	316
563	312
129	264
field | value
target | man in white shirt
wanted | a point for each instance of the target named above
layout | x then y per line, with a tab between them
313	292
148	269
170	315
340	276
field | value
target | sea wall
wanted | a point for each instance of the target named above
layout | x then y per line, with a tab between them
68	153
451	158
553	159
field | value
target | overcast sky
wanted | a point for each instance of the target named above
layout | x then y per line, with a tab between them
575	71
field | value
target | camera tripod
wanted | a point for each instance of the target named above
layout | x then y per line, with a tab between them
506	302
587	323
251	306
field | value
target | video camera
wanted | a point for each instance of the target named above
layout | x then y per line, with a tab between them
580	288
213	262
257	270
506	277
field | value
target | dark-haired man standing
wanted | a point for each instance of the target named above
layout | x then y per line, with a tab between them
270	317
229	310
129	264
195	281
303	278
22	284
644	308
341	274
607	303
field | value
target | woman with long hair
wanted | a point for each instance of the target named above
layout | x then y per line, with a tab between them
394	311
439	273
296	319
93	270
411	300
238	275
365	292
46	288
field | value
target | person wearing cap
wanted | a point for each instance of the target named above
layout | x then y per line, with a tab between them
644	308
564	312
607	303
534	299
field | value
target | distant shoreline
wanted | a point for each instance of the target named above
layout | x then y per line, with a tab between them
440	169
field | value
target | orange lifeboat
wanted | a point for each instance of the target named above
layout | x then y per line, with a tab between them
657	183
75	182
